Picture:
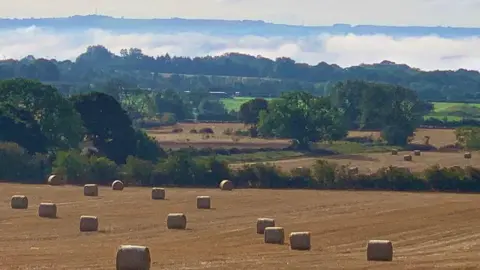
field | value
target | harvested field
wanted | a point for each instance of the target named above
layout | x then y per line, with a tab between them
427	230
367	163
168	139
184	139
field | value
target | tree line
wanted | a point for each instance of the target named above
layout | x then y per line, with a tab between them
234	72
91	138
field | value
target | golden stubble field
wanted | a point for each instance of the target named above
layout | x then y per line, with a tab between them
367	163
427	230
168	139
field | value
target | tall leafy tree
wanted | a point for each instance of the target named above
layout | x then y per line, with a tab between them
58	120
19	126
302	117
107	125
249	112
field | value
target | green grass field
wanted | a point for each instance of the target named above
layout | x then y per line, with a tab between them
449	110
233	104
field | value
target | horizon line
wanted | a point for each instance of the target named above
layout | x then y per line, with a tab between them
237	20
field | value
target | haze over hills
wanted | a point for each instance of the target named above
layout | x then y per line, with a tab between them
427	48
230	27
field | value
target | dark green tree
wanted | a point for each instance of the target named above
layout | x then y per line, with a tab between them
19	126
107	125
302	117
249	112
58	120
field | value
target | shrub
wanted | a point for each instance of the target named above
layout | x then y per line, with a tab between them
206	131
214	171
178	169
228	131
72	165
445	179
102	170
19	166
260	176
138	171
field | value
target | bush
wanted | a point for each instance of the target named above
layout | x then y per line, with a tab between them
138	171
71	165
79	169
206	131
102	170
260	176
19	166
178	169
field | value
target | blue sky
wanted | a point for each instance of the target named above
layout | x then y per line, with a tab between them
309	12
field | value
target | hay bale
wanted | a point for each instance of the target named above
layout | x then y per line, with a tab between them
117	185
417	152
47	210
19	202
300	241
407	157
467	155
90	190
263	223
88	224
274	235
394	152
226	185
55	180
158	193
133	257
353	170
203	202
379	250
176	221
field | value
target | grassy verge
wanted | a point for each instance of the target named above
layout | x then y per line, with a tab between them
259	156
343	147
340	147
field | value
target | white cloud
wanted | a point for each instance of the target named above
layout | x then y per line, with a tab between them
427	52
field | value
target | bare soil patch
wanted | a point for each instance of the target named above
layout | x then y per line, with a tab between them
427	230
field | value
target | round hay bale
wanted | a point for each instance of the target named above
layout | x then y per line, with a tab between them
394	152
133	257
117	185
274	235
263	223
300	241
417	152
467	155
88	224
90	190
177	221
203	202
19	202
379	250
353	170
407	157
47	210
226	185
158	193
55	180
